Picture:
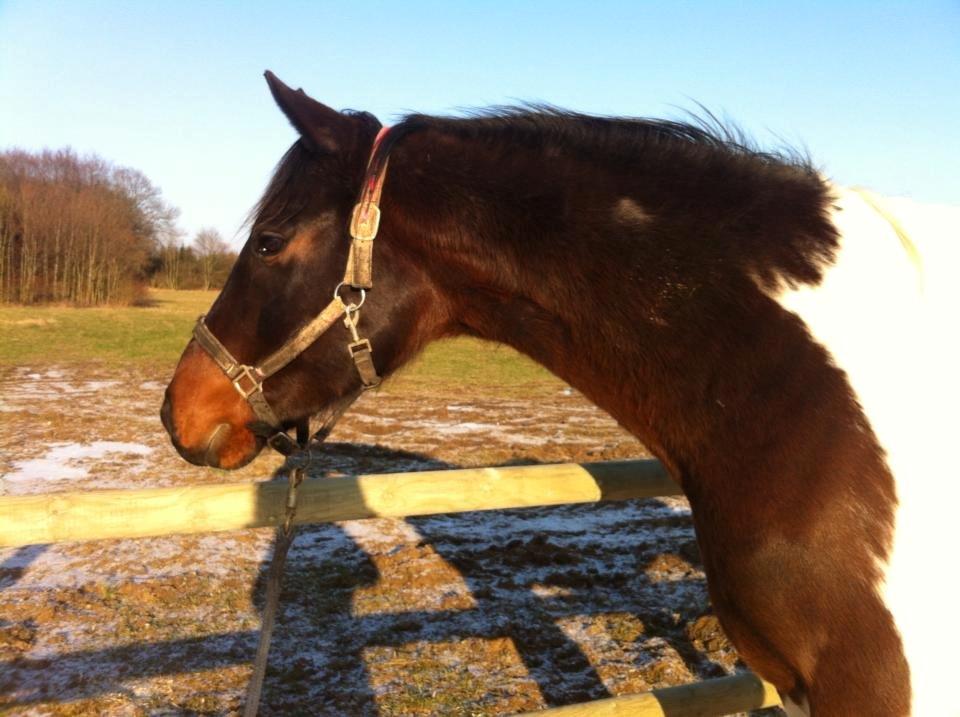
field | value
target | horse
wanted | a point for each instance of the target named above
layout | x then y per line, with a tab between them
781	344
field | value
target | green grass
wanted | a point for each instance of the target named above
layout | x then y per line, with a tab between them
154	336
469	361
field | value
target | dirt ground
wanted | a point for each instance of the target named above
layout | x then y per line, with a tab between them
483	613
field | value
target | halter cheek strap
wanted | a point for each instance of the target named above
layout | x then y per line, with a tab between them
248	380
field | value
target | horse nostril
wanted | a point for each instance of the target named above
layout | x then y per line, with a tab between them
214	442
166	414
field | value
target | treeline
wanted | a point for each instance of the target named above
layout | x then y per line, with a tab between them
81	230
205	265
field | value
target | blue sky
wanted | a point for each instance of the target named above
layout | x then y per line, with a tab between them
175	89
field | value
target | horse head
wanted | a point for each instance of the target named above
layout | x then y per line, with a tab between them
290	269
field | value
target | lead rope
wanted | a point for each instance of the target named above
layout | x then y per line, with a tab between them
286	532
362	356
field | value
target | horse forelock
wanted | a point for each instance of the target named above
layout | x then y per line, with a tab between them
301	172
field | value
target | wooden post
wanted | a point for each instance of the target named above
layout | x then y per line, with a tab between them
101	514
710	698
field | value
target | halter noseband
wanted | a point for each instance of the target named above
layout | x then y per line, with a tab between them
248	380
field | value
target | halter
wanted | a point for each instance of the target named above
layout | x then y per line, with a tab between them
248	380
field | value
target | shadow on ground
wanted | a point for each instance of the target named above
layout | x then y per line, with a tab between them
574	597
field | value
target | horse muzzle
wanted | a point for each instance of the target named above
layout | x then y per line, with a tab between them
216	449
207	422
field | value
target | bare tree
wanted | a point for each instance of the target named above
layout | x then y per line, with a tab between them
170	253
211	250
77	228
154	219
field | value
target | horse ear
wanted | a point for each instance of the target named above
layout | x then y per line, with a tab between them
321	127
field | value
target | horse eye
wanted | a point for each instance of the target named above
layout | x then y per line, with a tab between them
269	244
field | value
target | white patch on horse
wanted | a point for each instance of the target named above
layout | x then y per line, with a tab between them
896	340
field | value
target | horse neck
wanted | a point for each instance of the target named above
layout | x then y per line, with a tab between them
639	283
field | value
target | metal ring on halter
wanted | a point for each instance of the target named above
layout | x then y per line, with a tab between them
351	307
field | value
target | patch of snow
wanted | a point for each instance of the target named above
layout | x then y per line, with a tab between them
29	387
380	530
97	385
371	418
453	429
550	591
71	565
506	432
594	520
60	461
19	558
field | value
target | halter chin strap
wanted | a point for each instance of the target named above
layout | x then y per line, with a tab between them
248	380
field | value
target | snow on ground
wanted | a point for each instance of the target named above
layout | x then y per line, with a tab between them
479	613
64	461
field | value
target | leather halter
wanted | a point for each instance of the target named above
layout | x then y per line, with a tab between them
248	380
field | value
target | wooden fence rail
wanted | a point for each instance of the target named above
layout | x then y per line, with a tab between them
104	514
100	514
710	698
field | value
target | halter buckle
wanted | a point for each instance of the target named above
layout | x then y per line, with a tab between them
250	374
365	221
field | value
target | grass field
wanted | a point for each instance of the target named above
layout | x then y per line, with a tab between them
154	335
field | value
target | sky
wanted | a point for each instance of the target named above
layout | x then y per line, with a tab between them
176	90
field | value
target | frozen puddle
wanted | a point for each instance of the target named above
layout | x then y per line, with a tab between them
65	461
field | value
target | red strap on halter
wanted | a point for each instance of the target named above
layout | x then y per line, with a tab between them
365	222
375	177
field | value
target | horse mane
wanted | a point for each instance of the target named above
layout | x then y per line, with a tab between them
702	142
703	138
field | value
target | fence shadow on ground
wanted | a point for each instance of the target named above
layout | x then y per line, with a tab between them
502	608
318	662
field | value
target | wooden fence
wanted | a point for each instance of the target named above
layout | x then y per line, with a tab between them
102	514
